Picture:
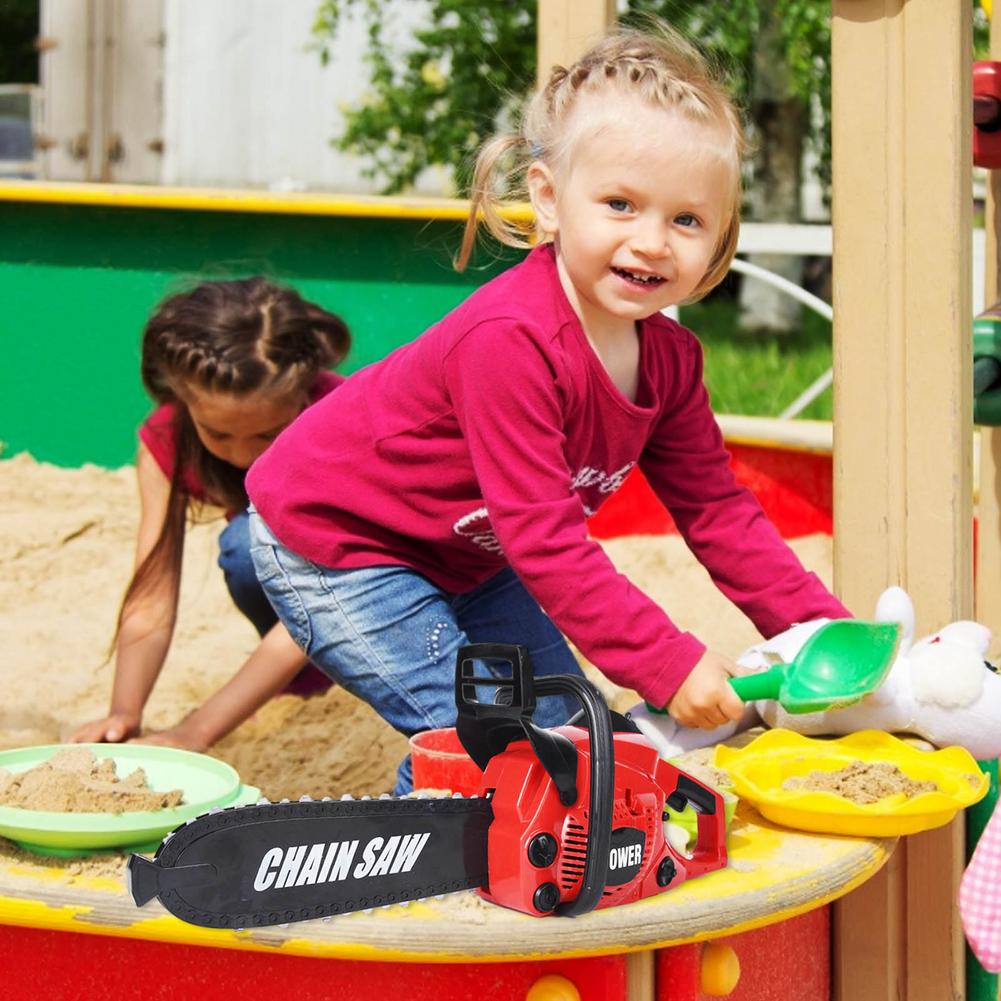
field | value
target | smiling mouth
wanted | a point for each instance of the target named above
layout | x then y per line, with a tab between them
636	278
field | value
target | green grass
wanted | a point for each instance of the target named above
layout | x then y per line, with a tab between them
759	373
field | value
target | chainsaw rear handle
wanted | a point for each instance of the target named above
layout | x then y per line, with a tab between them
709	821
602	788
512	720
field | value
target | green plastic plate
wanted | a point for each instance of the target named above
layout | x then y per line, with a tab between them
205	782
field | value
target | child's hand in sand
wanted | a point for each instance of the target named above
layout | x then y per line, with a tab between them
111	730
705	699
184	736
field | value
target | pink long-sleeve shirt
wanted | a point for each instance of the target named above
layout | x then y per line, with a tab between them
487	442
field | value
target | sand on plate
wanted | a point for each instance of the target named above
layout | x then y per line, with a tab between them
73	780
861	782
66	553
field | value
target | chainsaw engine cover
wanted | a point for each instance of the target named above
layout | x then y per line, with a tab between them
536	846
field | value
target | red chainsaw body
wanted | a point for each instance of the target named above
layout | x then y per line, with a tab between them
526	804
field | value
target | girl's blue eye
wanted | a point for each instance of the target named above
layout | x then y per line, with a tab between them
618	204
687	220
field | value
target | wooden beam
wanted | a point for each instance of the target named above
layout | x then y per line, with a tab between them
870	953
988	584
902	394
566	28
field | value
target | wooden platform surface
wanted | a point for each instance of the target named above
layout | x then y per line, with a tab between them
773	873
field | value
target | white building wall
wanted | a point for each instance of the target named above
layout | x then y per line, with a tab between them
248	104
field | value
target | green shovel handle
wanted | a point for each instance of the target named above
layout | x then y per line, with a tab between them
750	687
763	685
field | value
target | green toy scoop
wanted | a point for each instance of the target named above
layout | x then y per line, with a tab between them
841	663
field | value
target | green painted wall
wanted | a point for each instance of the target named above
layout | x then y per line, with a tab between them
77	283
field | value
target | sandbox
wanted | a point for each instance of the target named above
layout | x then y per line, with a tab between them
66	558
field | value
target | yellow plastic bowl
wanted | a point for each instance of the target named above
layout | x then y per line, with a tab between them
760	769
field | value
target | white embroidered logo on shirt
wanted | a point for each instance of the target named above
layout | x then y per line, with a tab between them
597	479
476	526
604	483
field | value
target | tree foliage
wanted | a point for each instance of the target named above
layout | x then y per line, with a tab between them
437	101
474	60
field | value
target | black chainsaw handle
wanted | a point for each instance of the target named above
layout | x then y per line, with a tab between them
485	729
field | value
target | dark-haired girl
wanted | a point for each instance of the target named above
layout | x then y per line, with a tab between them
230	364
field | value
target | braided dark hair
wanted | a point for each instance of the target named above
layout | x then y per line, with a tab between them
239	337
236	337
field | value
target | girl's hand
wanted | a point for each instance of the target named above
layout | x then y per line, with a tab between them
706	699
111	730
178	736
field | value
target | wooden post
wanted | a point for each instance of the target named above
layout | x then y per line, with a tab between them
987	596
566	28
902	441
988	584
641	976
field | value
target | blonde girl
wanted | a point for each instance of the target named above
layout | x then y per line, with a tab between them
473	456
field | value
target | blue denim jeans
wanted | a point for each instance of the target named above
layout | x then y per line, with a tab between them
390	636
249	597
241	578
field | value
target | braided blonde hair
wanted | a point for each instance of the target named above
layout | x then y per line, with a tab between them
663	69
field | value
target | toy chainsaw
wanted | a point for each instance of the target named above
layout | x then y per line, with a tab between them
567	820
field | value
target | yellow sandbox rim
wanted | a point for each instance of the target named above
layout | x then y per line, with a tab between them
166	928
240	200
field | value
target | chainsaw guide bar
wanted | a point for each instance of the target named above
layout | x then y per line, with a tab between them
270	864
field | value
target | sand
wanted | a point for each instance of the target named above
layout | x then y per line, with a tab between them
861	782
66	553
74	781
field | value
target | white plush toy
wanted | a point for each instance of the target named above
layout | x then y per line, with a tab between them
938	688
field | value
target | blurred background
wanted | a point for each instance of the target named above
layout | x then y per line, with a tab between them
391	98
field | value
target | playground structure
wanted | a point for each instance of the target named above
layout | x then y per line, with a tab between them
902	481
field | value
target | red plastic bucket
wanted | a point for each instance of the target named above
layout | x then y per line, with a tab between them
439	762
